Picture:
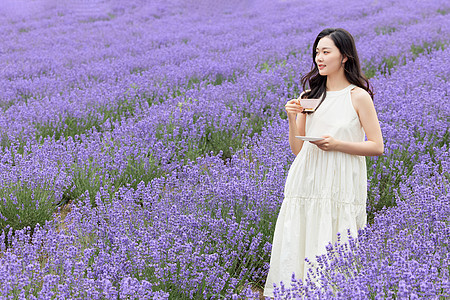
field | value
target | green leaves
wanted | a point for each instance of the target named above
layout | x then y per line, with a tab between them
23	205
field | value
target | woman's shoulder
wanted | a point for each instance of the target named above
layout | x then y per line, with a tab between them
360	98
360	94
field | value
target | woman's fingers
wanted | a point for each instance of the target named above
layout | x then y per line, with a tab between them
327	144
293	106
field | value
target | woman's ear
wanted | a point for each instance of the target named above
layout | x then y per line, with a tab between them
344	59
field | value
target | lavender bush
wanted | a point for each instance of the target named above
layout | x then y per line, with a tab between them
144	148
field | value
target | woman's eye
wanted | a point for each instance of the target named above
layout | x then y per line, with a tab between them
325	52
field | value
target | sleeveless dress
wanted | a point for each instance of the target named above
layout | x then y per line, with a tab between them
325	193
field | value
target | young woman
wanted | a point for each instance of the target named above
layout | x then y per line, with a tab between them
326	187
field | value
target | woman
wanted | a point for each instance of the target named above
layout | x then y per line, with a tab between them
326	187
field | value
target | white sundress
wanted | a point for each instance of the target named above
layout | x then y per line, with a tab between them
325	193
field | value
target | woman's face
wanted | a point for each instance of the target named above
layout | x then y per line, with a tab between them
329	59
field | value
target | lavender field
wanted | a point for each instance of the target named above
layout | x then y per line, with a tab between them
144	148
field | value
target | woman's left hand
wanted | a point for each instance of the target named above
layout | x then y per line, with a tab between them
327	144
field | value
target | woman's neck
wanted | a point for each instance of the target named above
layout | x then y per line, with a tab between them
337	82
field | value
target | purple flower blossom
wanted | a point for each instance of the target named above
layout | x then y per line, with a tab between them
129	111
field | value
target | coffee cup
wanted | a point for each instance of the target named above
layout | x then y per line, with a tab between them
309	105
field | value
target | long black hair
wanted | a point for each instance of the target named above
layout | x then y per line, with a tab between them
352	68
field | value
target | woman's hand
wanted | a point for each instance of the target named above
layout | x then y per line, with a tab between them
293	107
327	144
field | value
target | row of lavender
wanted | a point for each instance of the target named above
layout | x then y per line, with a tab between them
97	69
113	157
109	126
205	229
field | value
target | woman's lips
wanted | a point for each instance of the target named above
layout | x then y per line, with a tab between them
321	67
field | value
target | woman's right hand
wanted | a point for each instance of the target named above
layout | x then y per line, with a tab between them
293	107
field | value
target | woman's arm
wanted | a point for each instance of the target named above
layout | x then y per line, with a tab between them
297	122
374	145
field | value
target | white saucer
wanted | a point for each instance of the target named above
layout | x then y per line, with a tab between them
309	138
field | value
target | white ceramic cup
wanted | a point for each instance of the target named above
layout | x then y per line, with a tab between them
309	104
